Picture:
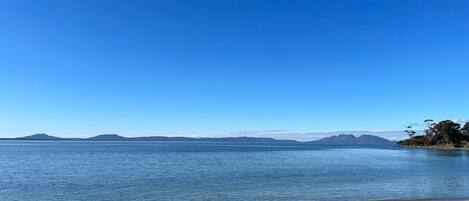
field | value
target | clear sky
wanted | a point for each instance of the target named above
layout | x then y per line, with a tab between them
215	68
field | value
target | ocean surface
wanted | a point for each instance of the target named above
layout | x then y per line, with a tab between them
189	171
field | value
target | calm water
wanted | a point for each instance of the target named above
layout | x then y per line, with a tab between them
184	171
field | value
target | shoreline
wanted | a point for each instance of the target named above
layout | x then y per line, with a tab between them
435	147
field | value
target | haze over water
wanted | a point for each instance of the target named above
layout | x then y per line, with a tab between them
181	171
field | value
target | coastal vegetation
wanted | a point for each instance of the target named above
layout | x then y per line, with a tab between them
443	134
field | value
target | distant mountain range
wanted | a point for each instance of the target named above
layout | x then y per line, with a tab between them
343	139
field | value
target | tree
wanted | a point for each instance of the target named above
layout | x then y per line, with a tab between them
410	132
429	122
449	131
430	131
446	133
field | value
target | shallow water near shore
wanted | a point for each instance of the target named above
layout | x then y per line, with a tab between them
181	171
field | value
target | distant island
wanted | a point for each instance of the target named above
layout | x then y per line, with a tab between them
442	135
343	139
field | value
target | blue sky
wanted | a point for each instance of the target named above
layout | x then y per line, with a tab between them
215	68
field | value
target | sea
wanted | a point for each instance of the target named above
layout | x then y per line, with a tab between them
226	171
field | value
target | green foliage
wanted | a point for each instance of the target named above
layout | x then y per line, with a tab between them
410	132
449	131
445	132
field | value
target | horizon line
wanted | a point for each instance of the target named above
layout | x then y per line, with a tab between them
332	134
